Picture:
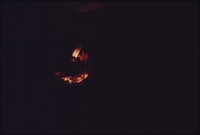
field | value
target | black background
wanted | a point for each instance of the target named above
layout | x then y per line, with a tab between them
144	60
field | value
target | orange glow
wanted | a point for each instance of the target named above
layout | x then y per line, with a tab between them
76	52
75	79
83	56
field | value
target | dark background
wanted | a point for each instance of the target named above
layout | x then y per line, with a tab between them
144	60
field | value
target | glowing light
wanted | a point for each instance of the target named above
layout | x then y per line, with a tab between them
75	79
77	53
